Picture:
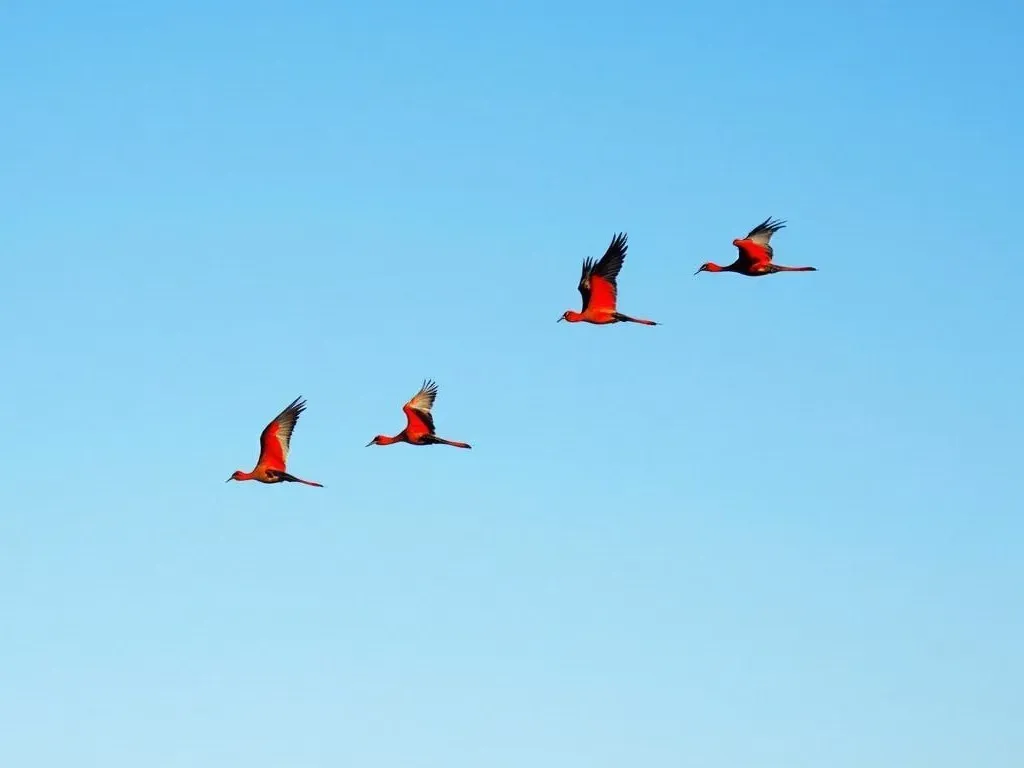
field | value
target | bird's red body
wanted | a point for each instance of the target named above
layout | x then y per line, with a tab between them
755	254
599	288
275	441
419	427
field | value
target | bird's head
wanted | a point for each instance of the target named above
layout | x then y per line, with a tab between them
378	440
569	316
703	268
236	475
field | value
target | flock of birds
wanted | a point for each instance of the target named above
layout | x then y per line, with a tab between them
599	288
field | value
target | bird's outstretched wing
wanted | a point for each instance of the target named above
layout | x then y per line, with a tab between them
598	282
277	436
756	246
417	410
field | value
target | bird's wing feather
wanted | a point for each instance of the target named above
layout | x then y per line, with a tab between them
598	283
756	246
276	437
584	286
417	410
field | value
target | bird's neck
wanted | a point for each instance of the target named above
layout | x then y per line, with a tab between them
389	440
712	267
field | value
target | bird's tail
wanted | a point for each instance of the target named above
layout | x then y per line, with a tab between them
294	479
453	443
627	319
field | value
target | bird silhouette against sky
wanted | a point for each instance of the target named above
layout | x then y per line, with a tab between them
599	288
419	427
756	253
275	441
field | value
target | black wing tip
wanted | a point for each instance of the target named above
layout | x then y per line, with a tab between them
620	243
768	225
292	411
614	257
616	248
428	389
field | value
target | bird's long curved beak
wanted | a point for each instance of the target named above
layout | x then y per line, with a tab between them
368	444
699	271
560	318
229	480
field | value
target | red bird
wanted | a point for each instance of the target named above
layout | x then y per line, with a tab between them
419	427
756	253
274	442
599	288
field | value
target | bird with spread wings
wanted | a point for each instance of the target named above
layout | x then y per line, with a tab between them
599	288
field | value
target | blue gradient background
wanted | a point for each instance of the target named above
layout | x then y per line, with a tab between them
781	530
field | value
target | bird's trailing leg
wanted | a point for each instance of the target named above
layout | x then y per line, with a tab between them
627	319
780	268
284	476
435	440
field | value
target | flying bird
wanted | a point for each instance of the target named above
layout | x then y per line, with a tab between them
755	257
274	443
419	427
599	288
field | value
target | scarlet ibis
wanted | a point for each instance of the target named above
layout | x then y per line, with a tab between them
274	443
599	288
755	257
419	427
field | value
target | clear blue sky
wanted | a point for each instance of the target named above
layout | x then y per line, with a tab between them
782	530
